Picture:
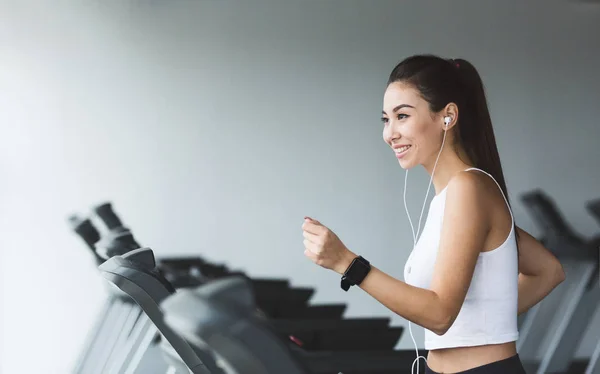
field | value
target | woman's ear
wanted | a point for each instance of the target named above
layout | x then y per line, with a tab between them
450	116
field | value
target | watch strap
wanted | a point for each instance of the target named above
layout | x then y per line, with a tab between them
355	273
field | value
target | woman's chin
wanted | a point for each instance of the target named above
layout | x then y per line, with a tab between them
406	164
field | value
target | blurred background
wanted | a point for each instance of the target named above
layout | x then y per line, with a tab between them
215	127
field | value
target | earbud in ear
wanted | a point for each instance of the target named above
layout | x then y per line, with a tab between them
447	120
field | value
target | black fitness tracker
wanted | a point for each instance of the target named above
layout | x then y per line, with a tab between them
356	272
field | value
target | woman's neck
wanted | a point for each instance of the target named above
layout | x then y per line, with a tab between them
447	166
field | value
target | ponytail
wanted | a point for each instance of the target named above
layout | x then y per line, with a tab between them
476	134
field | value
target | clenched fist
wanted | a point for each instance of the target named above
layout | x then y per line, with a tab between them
324	247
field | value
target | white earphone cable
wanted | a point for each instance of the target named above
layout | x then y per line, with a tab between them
415	237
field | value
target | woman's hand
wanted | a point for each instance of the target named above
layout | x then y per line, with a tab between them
324	247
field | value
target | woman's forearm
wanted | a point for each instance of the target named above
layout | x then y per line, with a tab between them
418	305
533	288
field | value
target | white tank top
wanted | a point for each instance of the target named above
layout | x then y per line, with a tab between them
489	312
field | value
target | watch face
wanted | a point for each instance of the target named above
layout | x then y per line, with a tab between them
357	272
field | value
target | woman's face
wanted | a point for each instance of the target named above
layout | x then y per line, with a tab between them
412	131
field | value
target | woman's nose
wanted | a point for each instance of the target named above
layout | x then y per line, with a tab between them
391	134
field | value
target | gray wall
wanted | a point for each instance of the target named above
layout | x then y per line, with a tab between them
216	127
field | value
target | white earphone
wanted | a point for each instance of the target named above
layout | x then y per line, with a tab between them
447	121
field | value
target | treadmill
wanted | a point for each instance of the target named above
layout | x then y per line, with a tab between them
315	327
119	314
593	207
121	326
118	310
85	229
550	331
593	366
135	274
220	316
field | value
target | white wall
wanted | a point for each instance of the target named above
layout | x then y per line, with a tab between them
216	127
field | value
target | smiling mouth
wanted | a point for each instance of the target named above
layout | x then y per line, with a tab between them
400	152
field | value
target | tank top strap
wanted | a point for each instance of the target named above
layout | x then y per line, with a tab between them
502	192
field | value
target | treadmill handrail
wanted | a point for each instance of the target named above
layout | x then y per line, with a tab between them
139	280
206	317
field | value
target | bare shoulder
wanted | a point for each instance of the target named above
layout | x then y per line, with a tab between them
469	186
473	195
478	195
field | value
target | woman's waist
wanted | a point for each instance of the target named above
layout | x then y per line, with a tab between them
457	359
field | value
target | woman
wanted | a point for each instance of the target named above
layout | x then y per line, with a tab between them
472	270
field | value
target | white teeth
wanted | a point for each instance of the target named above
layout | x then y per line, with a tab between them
400	150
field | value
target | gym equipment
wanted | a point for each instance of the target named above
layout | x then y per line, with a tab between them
119	313
84	228
135	274
593	366
117	309
119	239
220	316
125	330
121	323
594	208
551	330
122	327
108	216
131	348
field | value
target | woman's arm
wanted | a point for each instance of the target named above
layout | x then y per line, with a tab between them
418	305
465	227
539	271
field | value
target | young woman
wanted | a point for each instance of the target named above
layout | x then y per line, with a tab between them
472	270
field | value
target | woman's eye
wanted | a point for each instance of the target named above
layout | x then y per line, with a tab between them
400	116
